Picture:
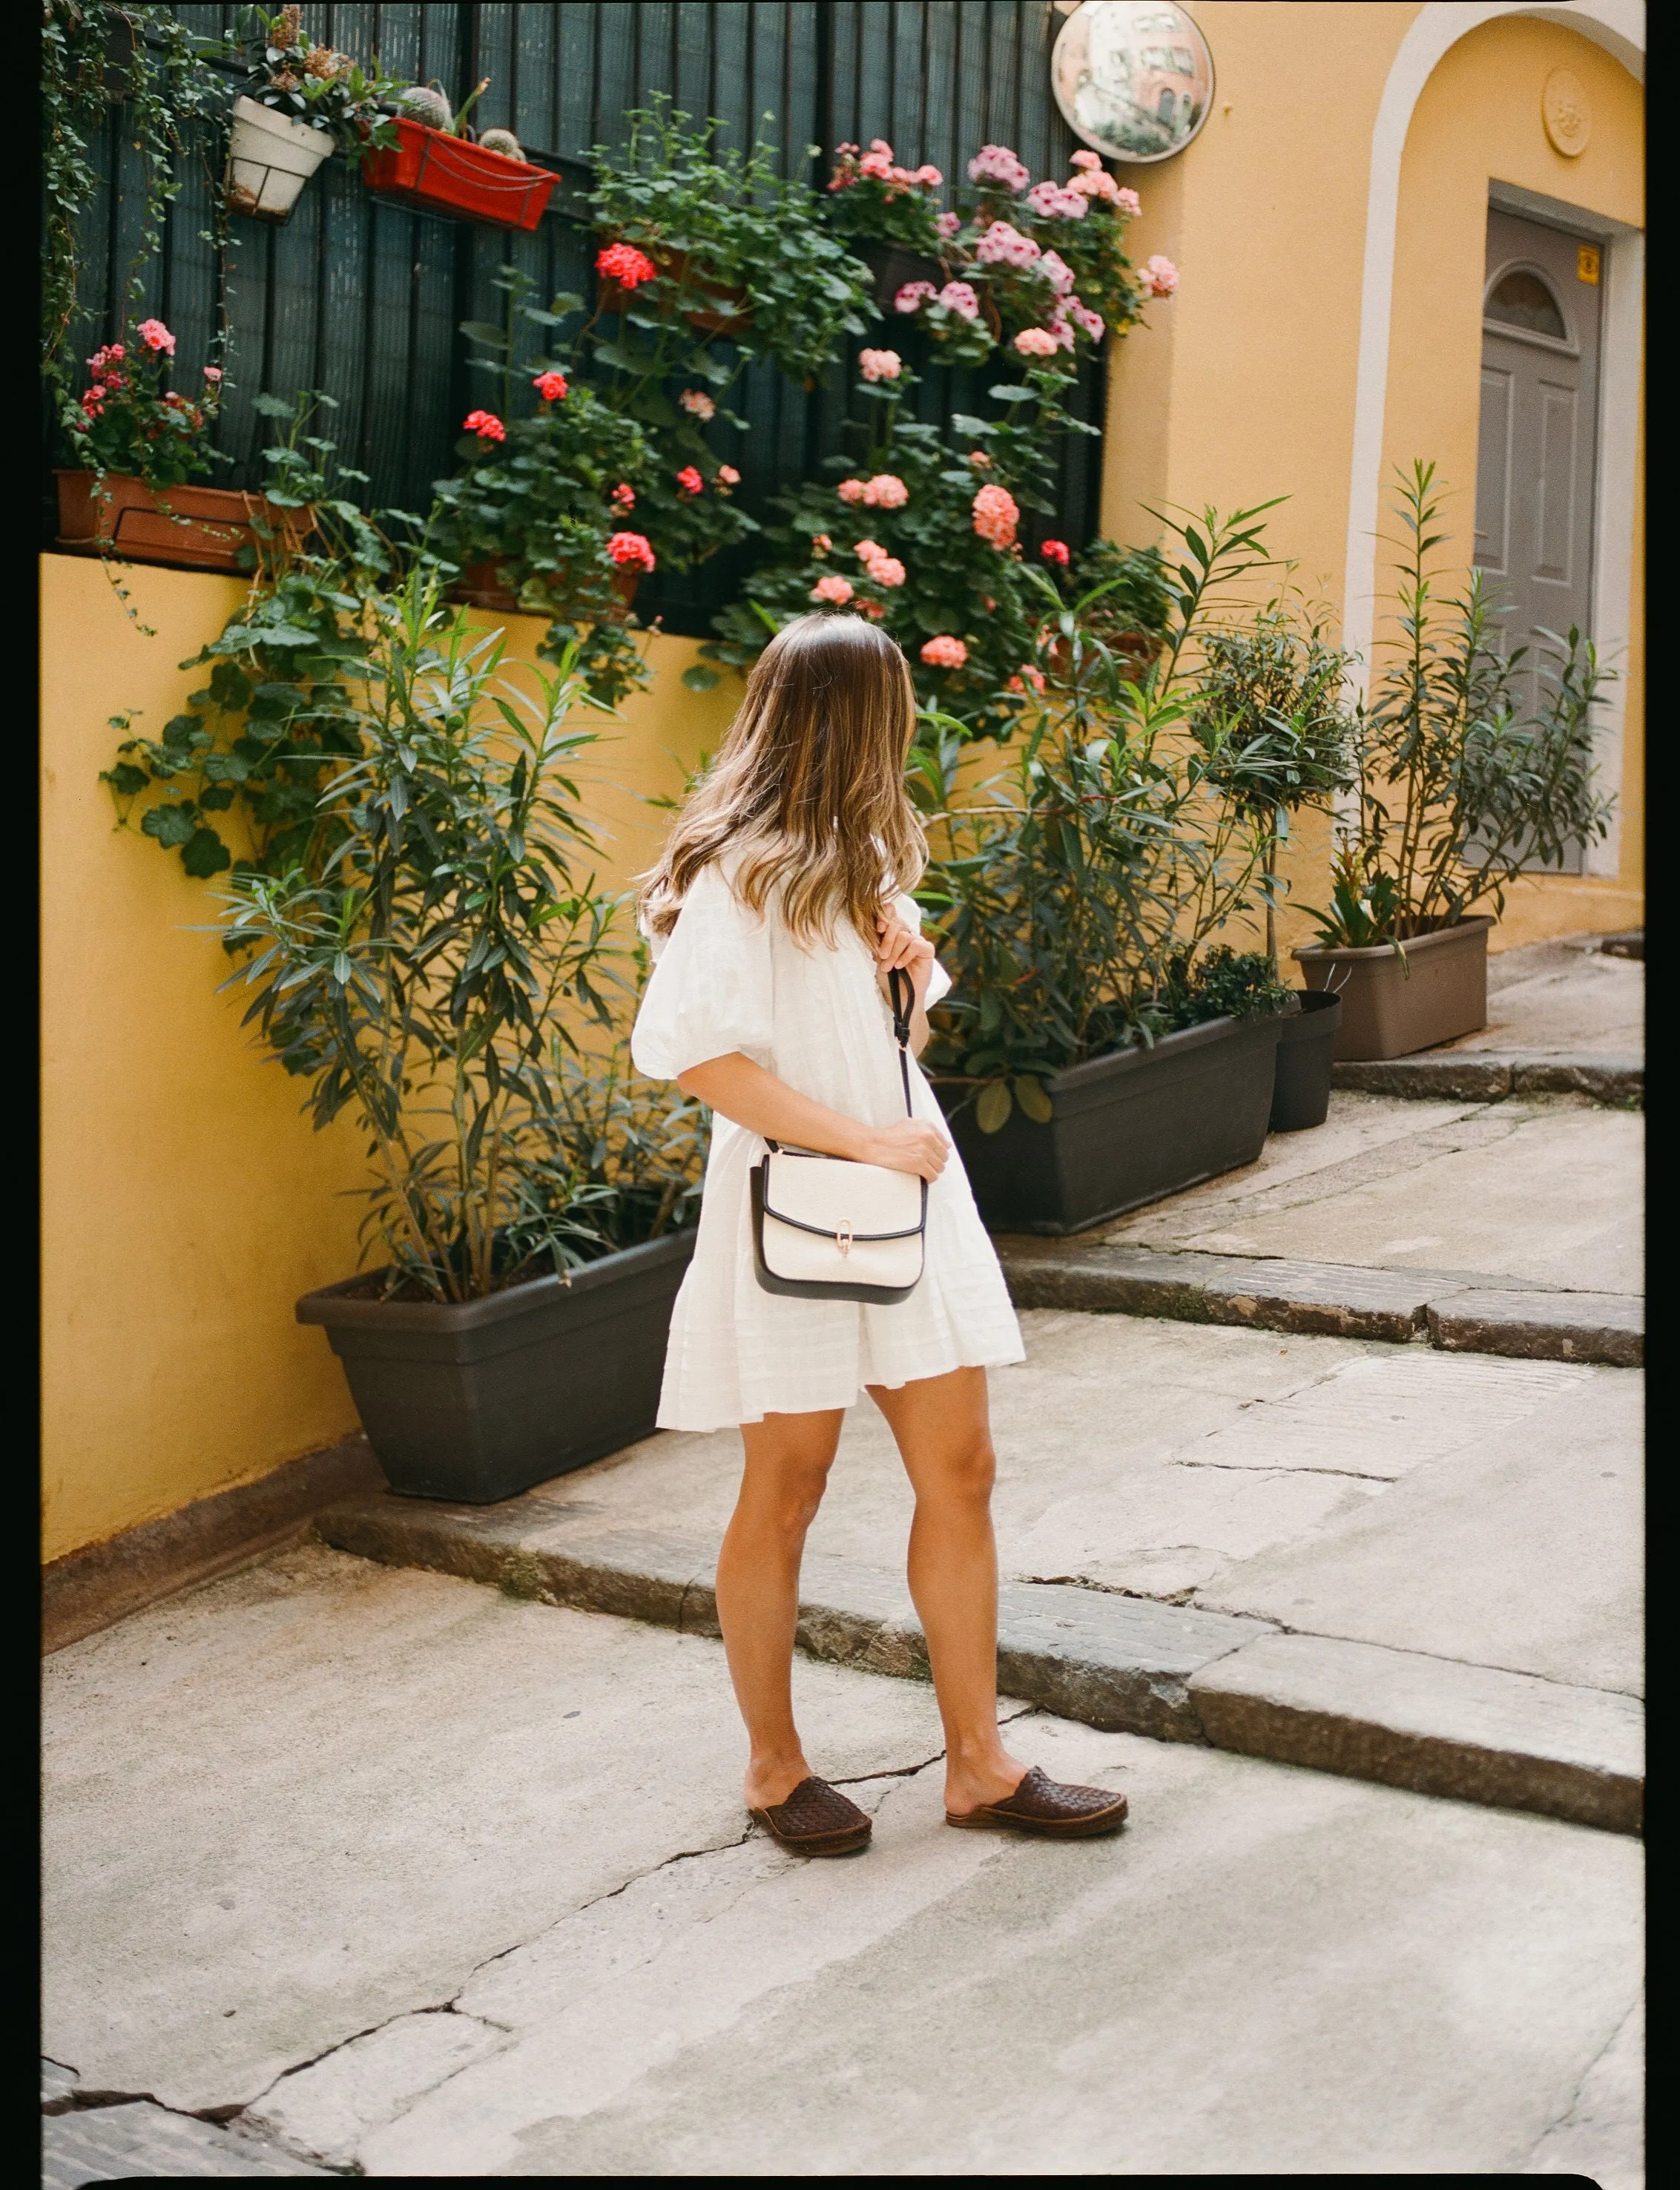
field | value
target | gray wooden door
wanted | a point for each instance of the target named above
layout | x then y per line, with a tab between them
1535	454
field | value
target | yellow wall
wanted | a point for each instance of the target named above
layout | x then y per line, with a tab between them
1243	385
186	1203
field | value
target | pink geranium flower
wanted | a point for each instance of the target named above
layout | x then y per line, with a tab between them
820	544
959	297
551	386
873	609
947	224
833	587
996	163
1003	246
697	403
1088	160
886	491
156	336
1054	551
728	474
1060	272
213	373
879	364
624	496
1159	276
980	460
624	263
627	549
1037	341
867	550
852	490
1127	202
945	652
486	424
996	515
909	298
886	570
1050	202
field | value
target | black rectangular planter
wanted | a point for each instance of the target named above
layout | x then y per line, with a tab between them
477	1400
1127	1129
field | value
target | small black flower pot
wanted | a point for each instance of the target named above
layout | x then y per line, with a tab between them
476	1400
1300	1095
893	266
1126	1129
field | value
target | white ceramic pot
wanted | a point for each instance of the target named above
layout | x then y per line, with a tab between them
269	160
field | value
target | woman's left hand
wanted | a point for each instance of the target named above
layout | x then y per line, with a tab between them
898	945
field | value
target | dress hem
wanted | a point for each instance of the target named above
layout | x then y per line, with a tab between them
1000	1361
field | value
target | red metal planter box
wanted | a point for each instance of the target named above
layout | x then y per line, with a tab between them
445	175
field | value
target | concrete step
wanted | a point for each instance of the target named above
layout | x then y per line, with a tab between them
1459	1311
1488	1075
1124	1664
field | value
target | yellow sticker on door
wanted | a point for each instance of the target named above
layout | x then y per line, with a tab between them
1587	263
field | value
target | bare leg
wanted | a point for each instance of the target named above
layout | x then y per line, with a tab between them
944	1438
789	1457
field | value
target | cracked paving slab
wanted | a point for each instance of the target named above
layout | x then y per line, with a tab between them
1459	1505
287	1807
492	1937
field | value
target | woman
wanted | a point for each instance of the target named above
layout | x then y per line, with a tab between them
776	914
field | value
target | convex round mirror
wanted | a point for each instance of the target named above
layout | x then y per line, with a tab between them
1134	79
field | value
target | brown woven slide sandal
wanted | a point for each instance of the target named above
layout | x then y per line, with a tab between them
815	1819
1043	1806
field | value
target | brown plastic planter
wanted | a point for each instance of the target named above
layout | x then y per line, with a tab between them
1390	1005
480	586
477	1400
191	528
1125	1129
729	318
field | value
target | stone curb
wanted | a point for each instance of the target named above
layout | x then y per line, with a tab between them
1460	1313
1125	1664
1488	1076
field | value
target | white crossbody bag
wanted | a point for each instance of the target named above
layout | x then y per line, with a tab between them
827	1229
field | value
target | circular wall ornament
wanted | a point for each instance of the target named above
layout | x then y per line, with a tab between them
1565	110
1134	79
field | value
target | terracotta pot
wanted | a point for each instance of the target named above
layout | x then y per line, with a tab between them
727	320
1133	650
438	174
480	586
193	528
1390	1005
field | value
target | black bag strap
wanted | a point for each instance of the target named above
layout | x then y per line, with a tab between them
903	1003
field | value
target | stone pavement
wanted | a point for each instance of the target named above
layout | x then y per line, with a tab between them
399	1875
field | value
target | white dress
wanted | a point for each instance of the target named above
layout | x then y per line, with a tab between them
727	980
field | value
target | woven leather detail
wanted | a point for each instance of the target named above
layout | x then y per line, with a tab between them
814	1811
1040	1798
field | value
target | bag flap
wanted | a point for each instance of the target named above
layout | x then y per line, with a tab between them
827	1194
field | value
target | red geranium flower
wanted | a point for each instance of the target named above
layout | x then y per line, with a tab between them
1056	551
486	424
624	263
551	386
631	548
689	480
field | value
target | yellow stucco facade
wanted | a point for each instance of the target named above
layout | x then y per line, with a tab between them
187	1203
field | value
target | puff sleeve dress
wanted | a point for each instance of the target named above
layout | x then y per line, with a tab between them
726	978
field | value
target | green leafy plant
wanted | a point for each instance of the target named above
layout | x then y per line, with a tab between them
315	84
418	979
235	778
726	236
160	76
920	535
1458	793
1076	891
873	201
1272	695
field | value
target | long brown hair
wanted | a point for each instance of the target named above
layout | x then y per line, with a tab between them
808	788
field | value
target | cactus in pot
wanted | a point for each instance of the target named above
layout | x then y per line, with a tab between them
503	141
427	104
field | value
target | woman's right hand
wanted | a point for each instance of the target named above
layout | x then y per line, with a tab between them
910	1145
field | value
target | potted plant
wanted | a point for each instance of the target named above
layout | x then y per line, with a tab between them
1271	694
608	481
1095	1054
730	244
1458	795
921	532
434	165
524	1211
142	444
890	216
300	102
